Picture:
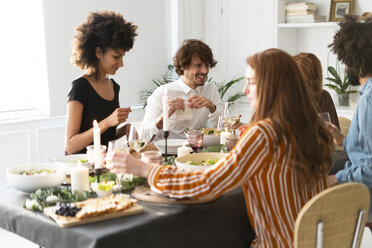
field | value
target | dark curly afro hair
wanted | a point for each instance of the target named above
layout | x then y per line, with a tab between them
104	29
353	44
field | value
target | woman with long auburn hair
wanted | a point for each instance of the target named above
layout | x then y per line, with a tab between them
311	71
281	160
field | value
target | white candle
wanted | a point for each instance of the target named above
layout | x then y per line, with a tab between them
223	136
183	151
97	145
165	109
79	178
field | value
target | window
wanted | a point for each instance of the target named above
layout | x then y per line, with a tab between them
23	83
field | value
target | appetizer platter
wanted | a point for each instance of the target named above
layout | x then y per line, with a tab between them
93	210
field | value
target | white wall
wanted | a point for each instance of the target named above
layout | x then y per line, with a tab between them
147	60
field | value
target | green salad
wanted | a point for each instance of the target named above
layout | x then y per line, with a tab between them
204	163
33	172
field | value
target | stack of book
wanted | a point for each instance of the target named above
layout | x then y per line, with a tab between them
302	12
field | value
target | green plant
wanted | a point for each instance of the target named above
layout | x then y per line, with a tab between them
171	75
338	84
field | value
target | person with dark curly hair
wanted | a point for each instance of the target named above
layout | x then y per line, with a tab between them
99	46
311	71
352	44
189	93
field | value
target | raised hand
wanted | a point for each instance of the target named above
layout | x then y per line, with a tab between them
174	104
120	115
199	101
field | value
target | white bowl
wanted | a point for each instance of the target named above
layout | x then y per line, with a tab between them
173	144
181	162
71	160
30	183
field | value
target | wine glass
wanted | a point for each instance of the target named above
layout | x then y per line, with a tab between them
325	116
230	114
138	137
119	145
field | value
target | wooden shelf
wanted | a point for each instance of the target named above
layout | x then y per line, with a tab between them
308	25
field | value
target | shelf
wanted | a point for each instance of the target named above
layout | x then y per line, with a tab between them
308	25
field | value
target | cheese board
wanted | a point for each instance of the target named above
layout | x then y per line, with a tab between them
86	215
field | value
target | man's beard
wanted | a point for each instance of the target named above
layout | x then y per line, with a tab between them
353	76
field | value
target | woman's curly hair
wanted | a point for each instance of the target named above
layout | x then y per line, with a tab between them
190	48
352	44
103	29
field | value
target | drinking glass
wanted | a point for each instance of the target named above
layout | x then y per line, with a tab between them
325	116
230	114
120	145
90	153
195	139
138	138
220	125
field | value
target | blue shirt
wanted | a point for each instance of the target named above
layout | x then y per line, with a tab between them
358	142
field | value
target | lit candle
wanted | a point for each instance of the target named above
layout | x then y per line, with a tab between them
79	178
183	151
97	145
165	110
223	136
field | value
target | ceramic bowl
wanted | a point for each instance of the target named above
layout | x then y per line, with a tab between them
30	183
182	162
71	160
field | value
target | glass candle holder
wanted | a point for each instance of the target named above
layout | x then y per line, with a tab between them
90	153
195	139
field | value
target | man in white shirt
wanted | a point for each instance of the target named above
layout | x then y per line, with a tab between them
190	93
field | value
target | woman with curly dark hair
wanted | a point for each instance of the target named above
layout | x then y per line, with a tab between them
352	44
99	46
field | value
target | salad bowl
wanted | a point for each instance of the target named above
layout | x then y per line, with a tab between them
198	161
28	178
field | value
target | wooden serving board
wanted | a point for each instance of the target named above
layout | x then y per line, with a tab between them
72	221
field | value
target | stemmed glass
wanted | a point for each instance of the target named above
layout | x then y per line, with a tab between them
230	114
119	145
138	138
325	116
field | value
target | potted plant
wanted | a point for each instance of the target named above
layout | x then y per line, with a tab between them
171	75
341	85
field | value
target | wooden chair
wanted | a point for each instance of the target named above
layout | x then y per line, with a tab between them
333	218
344	126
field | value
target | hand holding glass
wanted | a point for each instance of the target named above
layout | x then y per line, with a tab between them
325	116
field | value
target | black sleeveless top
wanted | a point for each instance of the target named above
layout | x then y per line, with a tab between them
95	107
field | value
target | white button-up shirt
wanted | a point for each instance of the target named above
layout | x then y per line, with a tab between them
177	127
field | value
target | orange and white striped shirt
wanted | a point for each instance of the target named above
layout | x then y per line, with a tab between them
272	191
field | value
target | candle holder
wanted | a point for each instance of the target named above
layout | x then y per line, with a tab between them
166	134
98	173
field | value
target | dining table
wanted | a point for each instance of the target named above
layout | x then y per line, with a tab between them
222	222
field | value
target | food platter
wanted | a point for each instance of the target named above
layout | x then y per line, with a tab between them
131	209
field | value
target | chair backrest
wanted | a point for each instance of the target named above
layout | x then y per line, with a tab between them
335	215
344	126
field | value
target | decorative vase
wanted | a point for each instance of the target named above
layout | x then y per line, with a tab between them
343	100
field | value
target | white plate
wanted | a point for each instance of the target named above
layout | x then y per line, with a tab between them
71	160
173	144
